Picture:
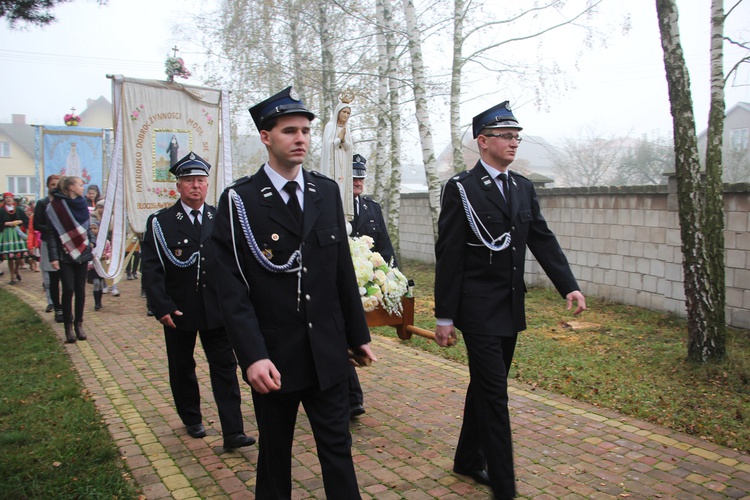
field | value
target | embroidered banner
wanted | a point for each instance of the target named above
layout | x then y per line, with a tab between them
161	123
75	151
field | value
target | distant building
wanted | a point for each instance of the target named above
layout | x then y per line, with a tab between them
736	140
98	114
17	158
534	156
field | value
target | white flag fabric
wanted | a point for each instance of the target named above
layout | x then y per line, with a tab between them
163	122
157	123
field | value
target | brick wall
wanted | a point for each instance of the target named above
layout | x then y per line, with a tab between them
623	243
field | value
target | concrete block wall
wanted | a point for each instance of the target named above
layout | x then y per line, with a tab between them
623	243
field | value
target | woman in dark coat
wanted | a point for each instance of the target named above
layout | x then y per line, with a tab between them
69	247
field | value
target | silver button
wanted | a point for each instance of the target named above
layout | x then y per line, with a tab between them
309	325
307	297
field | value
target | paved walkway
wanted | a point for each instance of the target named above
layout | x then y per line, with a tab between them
403	446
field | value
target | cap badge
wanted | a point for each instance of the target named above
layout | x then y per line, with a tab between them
267	253
293	95
507	106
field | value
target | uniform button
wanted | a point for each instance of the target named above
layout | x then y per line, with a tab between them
307	297
513	248
309	325
200	246
333	236
304	269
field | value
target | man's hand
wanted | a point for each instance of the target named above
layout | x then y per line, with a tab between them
445	336
362	356
55	264
263	376
167	320
580	300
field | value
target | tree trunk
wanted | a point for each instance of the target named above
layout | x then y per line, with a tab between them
455	97
419	85
697	266
393	200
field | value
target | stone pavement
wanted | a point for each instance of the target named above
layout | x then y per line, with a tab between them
403	446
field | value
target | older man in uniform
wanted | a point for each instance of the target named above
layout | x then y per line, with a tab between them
175	261
368	221
368	215
489	215
291	304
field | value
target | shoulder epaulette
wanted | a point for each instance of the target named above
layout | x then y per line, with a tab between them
320	175
460	176
241	180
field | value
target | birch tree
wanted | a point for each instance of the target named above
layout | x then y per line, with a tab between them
700	200
419	83
527	23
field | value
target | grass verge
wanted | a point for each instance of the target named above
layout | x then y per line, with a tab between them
629	359
53	443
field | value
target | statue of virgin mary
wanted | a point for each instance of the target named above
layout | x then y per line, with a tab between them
336	152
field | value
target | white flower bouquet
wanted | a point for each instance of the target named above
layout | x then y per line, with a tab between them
380	285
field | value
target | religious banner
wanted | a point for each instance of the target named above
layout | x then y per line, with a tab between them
161	122
157	123
77	151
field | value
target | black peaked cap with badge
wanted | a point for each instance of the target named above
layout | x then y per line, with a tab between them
286	102
499	116
191	164
359	170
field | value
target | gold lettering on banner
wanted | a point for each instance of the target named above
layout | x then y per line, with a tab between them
196	126
153	205
138	171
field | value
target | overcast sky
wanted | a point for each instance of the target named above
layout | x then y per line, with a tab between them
618	90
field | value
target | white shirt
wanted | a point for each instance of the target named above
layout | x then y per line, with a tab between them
279	182
189	211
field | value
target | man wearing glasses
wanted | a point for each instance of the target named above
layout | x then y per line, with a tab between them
489	215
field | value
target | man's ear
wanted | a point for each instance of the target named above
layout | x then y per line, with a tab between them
264	137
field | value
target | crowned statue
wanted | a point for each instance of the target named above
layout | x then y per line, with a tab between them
336	151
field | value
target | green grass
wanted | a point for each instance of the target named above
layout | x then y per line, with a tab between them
633	361
53	443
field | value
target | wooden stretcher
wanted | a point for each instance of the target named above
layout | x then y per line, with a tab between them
404	324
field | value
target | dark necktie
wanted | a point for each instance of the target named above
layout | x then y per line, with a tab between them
196	220
356	212
504	181
293	203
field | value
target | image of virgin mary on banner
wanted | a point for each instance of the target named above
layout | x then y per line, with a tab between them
77	151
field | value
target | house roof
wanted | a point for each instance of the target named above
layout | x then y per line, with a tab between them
743	106
23	135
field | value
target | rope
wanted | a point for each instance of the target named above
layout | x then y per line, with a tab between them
497	244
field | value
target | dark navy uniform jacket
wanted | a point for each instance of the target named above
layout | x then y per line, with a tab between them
480	290
171	288
308	339
371	223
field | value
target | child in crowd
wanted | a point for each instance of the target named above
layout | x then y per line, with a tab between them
94	278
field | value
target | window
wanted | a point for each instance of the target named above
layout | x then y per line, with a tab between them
22	184
738	139
4	150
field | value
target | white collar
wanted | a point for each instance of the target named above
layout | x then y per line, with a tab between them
189	210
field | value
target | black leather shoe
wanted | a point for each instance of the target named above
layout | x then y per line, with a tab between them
356	410
480	476
196	430
59	316
238	441
149	312
50	308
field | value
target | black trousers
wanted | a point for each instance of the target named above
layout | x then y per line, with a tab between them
73	279
355	388
485	440
328	412
222	366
